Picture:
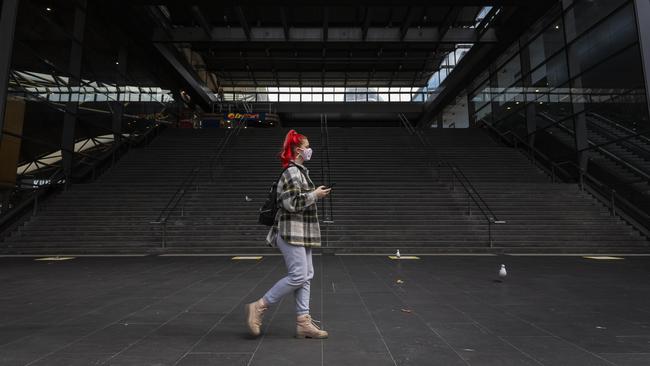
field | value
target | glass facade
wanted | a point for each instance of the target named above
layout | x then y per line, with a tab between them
573	86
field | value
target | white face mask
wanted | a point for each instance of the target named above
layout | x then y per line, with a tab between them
306	154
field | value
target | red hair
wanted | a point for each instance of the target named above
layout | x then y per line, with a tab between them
291	141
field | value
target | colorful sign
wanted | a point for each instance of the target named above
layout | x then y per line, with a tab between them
244	116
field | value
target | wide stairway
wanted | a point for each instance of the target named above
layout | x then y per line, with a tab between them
389	194
539	214
113	213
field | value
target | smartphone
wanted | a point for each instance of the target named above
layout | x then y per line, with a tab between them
331	185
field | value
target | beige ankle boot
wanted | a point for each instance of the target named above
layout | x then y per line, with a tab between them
254	314
306	328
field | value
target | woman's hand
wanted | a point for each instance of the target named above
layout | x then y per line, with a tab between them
322	192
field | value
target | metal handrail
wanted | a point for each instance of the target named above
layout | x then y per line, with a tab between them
609	154
456	173
641	151
178	195
593	145
618	125
326	166
471	191
583	176
58	175
532	151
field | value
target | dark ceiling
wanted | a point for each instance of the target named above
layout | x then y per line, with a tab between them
262	45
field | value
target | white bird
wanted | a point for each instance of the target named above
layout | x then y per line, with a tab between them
248	199
502	272
397	254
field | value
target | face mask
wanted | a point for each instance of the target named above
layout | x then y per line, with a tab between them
306	154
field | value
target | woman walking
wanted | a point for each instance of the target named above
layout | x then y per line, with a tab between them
295	232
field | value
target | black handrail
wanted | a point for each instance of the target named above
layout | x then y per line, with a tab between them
57	178
593	145
608	195
620	126
532	151
456	173
182	189
609	154
625	141
326	167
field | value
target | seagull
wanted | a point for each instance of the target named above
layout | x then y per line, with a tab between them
502	272
248	199
397	254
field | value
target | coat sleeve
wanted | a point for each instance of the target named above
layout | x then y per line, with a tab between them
292	198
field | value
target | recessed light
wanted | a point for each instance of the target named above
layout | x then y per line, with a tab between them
557	27
48	9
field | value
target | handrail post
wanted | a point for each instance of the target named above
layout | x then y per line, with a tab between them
453	178
164	234
490	232
582	181
35	205
553	173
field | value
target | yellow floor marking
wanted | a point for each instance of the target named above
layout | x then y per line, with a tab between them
604	258
239	258
57	258
403	257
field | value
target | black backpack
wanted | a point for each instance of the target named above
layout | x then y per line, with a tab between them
270	207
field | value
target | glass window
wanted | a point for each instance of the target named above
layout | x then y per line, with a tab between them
614	34
509	73
586	13
551	74
546	44
614	89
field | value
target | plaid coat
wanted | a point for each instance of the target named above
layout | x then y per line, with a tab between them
297	217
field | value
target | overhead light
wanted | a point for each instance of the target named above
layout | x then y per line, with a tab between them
117	62
557	27
48	9
536	90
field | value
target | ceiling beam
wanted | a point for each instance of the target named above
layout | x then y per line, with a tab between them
285	22
197	14
366	23
329	35
170	54
406	23
243	22
325	23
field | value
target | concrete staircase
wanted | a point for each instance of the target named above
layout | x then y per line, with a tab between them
113	213
387	196
540	215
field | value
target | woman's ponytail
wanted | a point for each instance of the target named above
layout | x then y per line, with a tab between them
292	140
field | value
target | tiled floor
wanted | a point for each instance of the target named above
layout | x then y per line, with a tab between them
448	311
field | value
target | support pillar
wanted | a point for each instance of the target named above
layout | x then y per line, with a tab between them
72	107
118	108
7	29
580	119
642	8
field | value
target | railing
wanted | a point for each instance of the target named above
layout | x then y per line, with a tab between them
186	185
456	174
602	149
624	141
617	204
57	180
326	170
621	127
